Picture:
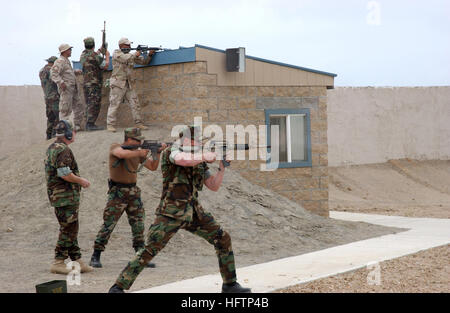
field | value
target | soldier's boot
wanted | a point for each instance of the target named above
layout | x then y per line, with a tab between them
141	126
115	289
93	127
111	128
235	288
149	264
95	259
84	268
59	267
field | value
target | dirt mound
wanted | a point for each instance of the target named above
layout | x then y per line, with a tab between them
398	187
263	225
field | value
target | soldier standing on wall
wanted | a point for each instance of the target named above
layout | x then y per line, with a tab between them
123	194
63	75
122	83
93	65
63	189
183	176
51	97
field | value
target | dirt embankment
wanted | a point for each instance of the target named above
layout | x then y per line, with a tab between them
399	187
263	225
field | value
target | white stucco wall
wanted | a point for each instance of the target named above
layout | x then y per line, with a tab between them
372	125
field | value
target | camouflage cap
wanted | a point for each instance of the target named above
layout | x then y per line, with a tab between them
64	47
89	41
134	133
191	131
51	59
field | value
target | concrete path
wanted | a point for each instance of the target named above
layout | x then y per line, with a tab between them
423	233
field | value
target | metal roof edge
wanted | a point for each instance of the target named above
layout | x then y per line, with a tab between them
273	62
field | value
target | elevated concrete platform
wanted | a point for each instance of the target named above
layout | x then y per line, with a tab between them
422	234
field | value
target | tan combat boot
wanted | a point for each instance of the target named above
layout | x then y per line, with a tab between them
59	267
84	268
141	126
111	128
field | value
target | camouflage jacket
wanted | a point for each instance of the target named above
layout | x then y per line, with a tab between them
60	192
181	184
62	71
92	72
123	64
49	86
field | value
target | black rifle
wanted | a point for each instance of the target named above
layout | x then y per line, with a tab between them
143	49
104	46
224	146
152	145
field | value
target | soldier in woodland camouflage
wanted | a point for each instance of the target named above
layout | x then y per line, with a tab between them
179	208
63	190
93	65
123	194
51	97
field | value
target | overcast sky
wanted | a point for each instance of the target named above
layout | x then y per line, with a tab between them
367	43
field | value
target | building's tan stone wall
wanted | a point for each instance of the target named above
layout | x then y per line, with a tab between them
176	93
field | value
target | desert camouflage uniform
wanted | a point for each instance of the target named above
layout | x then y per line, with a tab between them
51	97
65	197
179	209
60	72
92	83
122	85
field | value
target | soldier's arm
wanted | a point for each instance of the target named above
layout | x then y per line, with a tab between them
190	160
55	73
214	182
72	178
121	153
151	164
63	170
139	59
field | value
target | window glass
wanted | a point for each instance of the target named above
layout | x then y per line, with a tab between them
298	138
281	122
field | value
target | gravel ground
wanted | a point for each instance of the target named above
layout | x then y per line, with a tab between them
422	272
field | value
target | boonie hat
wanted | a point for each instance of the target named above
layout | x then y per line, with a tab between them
124	41
51	59
64	47
134	133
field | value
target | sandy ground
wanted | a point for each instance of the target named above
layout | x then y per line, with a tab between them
399	187
263	225
403	188
427	271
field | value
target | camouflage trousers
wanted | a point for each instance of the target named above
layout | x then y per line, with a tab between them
67	244
119	95
120	200
70	101
52	112
93	98
164	228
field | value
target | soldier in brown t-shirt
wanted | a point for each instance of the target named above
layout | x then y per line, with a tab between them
123	194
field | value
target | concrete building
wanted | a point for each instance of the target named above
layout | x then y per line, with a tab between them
181	84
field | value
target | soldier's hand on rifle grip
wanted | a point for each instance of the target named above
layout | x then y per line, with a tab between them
138	53
209	157
143	152
163	146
